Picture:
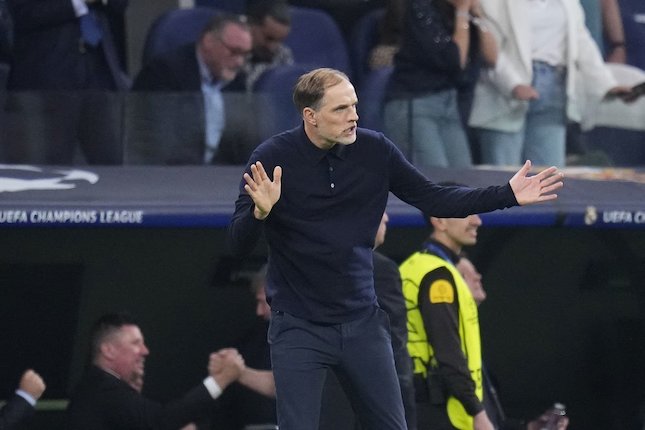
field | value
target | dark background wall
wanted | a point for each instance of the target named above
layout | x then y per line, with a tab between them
564	320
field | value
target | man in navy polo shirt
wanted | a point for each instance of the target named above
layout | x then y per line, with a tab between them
320	218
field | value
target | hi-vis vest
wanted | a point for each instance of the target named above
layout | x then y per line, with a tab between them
412	272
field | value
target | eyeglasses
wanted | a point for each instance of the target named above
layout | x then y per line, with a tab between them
235	51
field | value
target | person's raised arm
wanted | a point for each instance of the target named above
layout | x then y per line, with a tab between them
32	384
258	195
264	191
536	188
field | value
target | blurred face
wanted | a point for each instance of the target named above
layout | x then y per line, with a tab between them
456	233
267	38
473	279
126	354
382	229
334	121
226	53
262	308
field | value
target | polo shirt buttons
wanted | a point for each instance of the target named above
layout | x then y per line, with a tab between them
330	169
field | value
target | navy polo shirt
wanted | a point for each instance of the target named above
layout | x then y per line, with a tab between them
321	232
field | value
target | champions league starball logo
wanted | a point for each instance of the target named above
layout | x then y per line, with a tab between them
15	178
591	215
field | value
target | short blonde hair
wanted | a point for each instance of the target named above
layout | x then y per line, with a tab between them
310	88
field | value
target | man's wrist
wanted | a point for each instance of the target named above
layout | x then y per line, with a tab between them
213	387
28	397
258	214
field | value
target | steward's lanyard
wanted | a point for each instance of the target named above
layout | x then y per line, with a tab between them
439	252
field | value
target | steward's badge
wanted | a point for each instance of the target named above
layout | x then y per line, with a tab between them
441	291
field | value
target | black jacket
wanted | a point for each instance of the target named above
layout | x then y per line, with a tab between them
15	411
48	55
103	402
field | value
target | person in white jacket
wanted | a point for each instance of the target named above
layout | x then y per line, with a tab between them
548	71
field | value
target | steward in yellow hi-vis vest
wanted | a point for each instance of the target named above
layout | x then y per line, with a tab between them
443	339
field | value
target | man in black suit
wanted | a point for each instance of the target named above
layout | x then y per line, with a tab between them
336	414
64	78
108	397
387	283
185	103
20	406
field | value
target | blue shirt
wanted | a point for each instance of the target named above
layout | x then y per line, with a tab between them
214	111
321	232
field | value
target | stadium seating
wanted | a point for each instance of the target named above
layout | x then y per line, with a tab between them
273	91
363	38
316	40
175	28
233	6
633	15
371	98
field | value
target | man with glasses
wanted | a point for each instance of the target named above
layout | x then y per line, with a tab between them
194	122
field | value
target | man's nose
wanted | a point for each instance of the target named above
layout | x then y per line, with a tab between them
354	114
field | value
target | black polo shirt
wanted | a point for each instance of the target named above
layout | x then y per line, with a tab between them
321	232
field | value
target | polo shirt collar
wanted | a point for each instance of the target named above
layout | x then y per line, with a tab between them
314	154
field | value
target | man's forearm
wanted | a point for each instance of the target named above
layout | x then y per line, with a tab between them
260	381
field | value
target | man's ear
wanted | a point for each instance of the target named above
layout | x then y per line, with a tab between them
309	116
438	223
107	350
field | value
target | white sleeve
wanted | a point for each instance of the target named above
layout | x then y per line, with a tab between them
213	387
28	397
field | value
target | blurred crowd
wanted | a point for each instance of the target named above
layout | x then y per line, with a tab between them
454	83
